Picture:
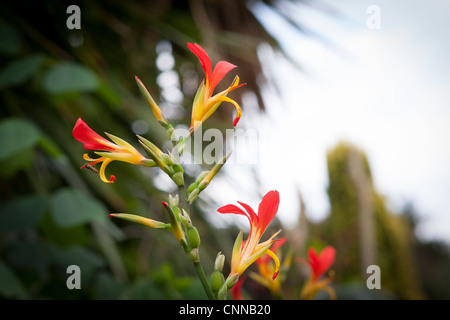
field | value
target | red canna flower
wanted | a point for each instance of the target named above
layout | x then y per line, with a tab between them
244	254
204	102
320	263
120	150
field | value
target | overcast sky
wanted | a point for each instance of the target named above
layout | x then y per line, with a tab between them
385	90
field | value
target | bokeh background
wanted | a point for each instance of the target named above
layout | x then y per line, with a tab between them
349	101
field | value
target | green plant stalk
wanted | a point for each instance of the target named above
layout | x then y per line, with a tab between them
201	275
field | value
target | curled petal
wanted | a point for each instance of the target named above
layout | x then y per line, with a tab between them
102	172
271	254
215	102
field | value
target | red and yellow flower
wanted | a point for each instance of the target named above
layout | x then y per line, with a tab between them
319	264
205	104
120	150
245	253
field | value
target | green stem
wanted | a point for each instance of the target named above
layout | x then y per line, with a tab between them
203	280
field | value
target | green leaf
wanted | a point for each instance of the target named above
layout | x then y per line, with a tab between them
88	260
68	77
70	208
16	135
10	285
64	237
22	213
20	70
76	255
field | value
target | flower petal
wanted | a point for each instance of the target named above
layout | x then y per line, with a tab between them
220	71
271	254
215	102
326	259
90	139
231	208
268	208
102	172
251	213
203	58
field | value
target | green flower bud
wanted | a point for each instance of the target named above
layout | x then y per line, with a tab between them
191	188
173	201
201	176
193	237
217	281
167	159
193	195
178	178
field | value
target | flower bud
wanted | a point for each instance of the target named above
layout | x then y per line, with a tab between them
176	227
193	237
191	188
220	260
217	280
173	201
155	109
178	178
193	195
167	159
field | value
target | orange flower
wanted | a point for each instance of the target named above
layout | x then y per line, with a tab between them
120	150
204	102
244	254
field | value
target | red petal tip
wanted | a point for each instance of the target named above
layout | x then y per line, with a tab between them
112	179
275	275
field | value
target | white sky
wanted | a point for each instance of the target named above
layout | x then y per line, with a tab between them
386	91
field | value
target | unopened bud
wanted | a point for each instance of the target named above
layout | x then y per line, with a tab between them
191	188
173	201
193	195
217	280
185	219
178	178
167	159
193	237
220	260
201	176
